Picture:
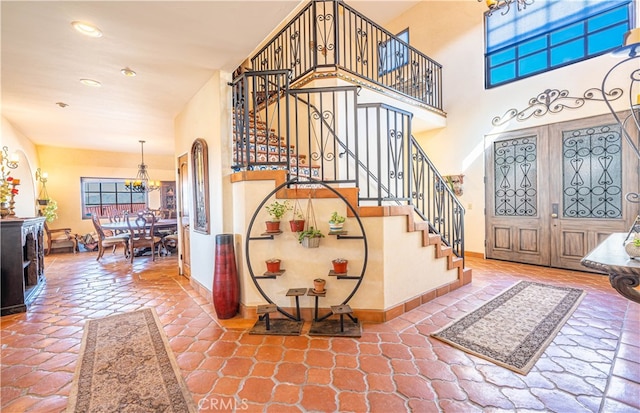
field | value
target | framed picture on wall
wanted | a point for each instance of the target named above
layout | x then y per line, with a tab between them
200	165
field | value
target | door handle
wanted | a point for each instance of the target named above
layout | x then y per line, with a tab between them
554	211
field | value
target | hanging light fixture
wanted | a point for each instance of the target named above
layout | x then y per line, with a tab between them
505	5
142	183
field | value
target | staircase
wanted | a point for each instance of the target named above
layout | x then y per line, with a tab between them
265	150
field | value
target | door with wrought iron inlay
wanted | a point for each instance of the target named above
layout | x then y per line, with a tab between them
516	198
555	192
591	169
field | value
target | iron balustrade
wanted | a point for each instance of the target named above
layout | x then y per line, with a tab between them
434	200
325	135
331	34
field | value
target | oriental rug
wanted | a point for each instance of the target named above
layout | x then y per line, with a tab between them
513	329
126	365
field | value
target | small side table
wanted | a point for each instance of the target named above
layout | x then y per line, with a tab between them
297	292
317	295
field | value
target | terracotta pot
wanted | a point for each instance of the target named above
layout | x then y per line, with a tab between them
318	285
273	226
296	225
340	266
273	265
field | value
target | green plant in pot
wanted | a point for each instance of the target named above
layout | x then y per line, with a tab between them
336	222
310	238
276	211
50	211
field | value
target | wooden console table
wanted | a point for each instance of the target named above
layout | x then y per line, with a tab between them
22	262
611	258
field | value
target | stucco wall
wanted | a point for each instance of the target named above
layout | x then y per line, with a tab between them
452	33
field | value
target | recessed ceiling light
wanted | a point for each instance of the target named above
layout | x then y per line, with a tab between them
90	82
128	72
87	29
62	104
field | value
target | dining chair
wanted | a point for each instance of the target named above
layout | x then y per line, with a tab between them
117	216
106	241
142	234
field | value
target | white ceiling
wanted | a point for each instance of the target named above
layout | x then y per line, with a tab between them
174	46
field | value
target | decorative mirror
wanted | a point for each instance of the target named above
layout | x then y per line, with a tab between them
200	166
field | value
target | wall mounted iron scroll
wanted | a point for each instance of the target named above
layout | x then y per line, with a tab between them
555	101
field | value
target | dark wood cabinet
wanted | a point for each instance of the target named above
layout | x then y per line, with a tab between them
22	262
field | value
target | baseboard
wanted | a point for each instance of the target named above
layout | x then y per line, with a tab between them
363	315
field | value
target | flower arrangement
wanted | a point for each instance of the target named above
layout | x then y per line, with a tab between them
8	189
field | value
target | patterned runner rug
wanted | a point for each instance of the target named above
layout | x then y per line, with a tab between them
514	328
126	365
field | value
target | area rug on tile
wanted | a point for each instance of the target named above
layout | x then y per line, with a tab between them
514	328
126	365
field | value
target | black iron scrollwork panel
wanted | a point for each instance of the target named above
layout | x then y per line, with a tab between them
362	46
592	172
294	40
396	151
554	101
324	151
516	177
325	30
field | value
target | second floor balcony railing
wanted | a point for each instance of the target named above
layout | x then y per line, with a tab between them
331	34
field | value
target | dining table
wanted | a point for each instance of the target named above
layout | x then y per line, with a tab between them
161	224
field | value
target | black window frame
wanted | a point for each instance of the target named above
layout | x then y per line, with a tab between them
546	37
105	207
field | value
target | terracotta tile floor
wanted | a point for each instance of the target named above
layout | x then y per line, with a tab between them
593	365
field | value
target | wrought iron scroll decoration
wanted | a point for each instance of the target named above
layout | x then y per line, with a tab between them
555	101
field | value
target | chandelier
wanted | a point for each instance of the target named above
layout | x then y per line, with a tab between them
505	5
142	183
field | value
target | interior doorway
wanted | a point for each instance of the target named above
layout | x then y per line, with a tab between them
184	206
554	192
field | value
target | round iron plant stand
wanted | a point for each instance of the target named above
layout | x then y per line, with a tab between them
249	239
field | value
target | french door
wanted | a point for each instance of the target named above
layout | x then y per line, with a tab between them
554	192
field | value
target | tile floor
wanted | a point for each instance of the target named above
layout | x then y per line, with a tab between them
593	365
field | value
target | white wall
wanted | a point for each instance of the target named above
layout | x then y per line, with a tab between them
207	116
16	142
451	32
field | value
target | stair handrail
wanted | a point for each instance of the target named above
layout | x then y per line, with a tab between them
332	34
444	212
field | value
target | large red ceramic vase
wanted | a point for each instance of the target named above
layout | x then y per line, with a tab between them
226	291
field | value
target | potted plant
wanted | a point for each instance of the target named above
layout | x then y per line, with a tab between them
310	238
276	210
297	222
336	222
633	247
340	265
273	265
49	211
318	285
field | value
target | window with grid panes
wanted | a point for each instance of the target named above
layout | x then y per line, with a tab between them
549	34
104	196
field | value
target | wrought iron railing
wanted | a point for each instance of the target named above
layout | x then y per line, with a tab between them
434	200
323	134
331	34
